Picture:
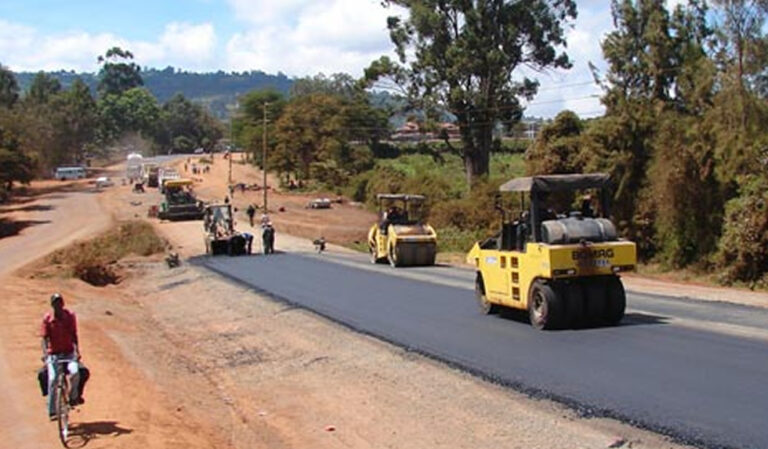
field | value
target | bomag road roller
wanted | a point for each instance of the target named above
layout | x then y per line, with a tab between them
562	268
400	236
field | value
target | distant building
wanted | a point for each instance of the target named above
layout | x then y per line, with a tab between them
412	132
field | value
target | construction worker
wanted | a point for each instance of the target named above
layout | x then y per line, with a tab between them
251	211
268	238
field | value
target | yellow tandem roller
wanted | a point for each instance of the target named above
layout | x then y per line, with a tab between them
401	237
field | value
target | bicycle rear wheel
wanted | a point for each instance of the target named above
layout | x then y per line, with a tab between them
62	408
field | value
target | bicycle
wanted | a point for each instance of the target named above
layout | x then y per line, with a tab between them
62	389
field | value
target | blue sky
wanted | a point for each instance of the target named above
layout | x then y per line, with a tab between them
296	37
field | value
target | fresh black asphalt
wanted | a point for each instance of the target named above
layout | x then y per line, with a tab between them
703	388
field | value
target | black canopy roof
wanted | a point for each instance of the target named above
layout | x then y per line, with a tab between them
400	196
557	183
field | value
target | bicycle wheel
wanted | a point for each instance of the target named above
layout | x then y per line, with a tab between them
62	408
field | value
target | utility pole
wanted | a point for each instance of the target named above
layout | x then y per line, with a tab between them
264	155
229	147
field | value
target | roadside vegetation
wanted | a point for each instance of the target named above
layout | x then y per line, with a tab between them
94	260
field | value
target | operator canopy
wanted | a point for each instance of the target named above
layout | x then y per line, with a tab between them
400	196
557	183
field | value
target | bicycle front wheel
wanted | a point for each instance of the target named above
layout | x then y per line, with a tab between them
62	409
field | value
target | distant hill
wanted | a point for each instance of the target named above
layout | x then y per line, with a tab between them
214	90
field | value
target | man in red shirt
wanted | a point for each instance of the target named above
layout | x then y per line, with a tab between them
59	334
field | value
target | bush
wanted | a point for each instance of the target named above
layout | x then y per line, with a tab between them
452	239
743	248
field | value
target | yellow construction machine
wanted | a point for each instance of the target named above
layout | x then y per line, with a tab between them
562	268
401	237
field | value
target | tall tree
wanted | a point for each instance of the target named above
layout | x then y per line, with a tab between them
9	88
341	84
248	127
118	72
465	57
136	110
310	130
741	37
185	125
42	88
557	147
76	119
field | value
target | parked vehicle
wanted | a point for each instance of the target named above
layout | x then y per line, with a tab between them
133	166
63	173
104	181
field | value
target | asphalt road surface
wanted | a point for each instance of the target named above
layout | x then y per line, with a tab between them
696	371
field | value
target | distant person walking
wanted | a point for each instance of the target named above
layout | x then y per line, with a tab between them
251	211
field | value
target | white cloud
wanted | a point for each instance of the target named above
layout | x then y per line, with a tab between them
312	37
24	48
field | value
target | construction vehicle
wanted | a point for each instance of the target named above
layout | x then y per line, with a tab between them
400	237
220	234
133	165
151	171
563	269
164	175
180	202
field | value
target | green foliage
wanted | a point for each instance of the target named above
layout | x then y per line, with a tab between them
248	126
15	166
185	126
557	147
338	84
43	87
465	54
217	91
743	249
318	130
9	89
118	73
135	110
686	196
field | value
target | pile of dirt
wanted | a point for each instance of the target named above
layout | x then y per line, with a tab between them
95	261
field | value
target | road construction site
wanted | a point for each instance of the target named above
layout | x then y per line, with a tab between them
301	349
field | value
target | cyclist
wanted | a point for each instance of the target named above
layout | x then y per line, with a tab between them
59	341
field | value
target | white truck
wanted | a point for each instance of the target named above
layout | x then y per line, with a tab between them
133	166
166	174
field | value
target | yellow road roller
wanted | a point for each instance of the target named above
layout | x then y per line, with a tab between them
563	268
400	237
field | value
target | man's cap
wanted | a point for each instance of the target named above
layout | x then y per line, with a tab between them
56	297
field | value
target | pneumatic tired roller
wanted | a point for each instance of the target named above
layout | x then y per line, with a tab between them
400	237
562	268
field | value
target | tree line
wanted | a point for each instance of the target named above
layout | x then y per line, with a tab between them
217	90
684	135
48	125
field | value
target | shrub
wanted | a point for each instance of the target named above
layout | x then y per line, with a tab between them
743	248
